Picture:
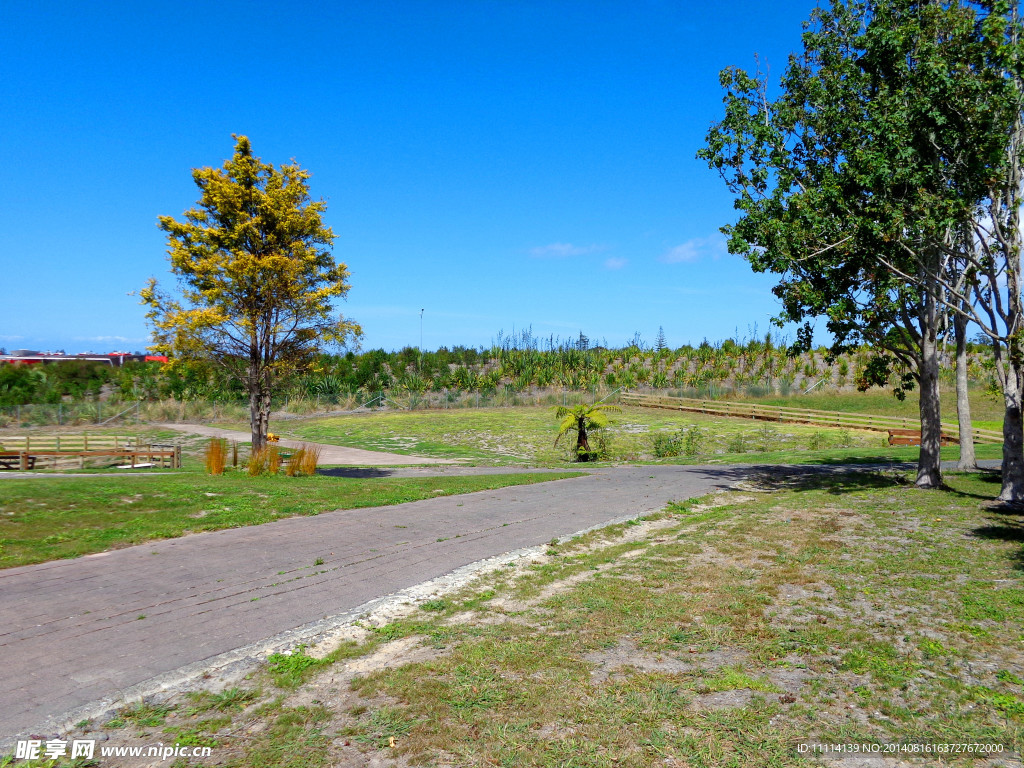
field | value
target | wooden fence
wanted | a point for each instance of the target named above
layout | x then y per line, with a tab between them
797	415
169	457
69	442
69	451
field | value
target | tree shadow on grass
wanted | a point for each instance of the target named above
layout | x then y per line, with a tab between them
991	477
1006	524
358	473
834	479
840	479
1012	531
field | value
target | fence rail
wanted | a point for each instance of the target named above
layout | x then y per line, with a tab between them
797	415
69	442
40	459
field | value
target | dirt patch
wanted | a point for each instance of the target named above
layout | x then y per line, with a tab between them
624	657
803	592
408	650
722	700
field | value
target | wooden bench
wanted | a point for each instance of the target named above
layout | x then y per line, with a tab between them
913	437
14	460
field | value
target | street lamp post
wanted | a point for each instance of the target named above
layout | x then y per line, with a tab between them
421	341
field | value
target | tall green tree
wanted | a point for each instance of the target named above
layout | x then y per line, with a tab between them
853	184
258	280
982	279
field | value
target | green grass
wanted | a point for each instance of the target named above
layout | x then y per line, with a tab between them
60	517
526	435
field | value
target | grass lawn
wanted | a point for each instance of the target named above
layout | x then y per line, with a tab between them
48	518
728	631
526	435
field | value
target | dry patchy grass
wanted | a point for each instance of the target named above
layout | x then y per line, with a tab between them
844	608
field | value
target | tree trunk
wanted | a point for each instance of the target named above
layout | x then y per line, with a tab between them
1013	431
1013	447
582	444
259	407
929	470
967	460
1011	370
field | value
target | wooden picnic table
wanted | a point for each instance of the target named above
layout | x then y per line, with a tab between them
913	437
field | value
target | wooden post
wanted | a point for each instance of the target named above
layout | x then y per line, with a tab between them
23	461
85	439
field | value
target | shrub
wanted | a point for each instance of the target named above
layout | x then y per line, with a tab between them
667	444
818	441
694	441
767	438
688	440
737	443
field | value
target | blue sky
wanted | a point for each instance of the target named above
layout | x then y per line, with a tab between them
497	164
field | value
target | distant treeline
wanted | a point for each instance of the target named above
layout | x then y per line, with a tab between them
518	363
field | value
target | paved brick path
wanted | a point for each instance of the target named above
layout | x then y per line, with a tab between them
71	632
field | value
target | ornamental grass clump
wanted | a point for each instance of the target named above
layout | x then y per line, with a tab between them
266	461
216	453
294	465
304	461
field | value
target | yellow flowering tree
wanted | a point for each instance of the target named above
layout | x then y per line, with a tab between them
257	278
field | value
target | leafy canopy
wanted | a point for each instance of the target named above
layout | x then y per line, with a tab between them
582	418
255	270
888	127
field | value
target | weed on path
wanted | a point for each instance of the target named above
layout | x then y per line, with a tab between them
737	630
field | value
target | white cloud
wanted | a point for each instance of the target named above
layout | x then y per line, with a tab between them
695	249
562	250
615	263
